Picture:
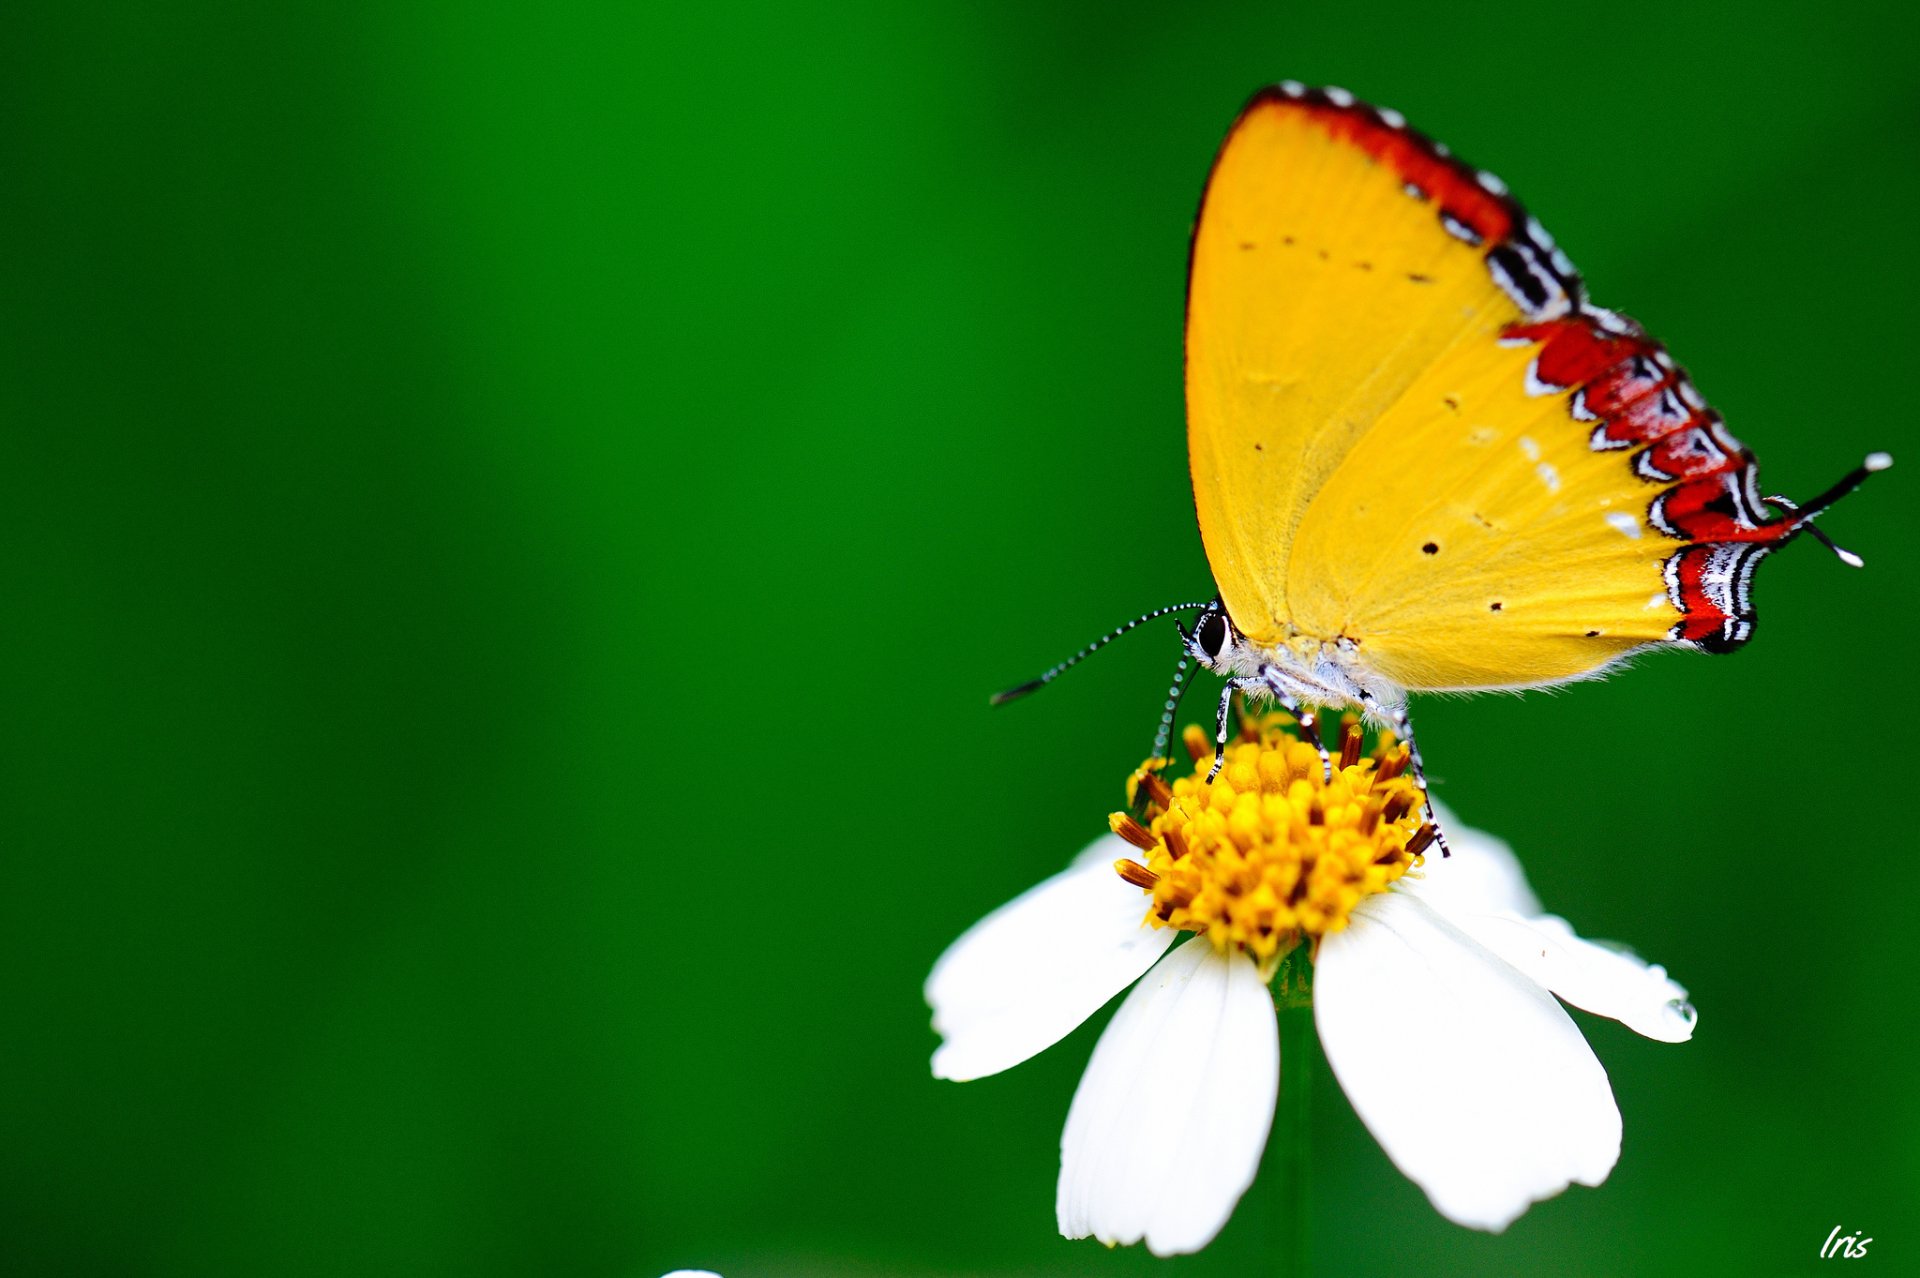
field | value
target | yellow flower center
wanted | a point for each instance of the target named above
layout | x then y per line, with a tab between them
1272	852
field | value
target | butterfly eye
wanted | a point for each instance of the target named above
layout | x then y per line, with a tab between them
1212	633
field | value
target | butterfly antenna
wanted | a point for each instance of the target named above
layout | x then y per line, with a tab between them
1163	738
1034	685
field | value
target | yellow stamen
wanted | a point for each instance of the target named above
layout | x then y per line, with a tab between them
1156	789
1349	743
1132	831
1270	854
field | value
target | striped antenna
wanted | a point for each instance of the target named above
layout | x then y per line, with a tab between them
1163	739
1034	685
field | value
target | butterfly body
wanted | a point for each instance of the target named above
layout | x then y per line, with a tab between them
1421	459
1312	671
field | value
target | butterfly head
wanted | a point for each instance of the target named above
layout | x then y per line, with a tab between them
1216	643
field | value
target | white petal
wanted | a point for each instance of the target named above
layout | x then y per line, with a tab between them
1025	976
1104	850
1169	1120
1482	891
1482	873
1588	974
1471	1077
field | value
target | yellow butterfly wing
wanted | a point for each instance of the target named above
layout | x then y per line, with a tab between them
1317	292
1411	436
1473	539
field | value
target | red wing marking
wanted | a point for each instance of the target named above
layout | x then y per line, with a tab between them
1716	580
1654	415
1702	447
1624	383
1573	353
1421	164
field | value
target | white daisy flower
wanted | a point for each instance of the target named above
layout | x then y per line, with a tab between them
1433	994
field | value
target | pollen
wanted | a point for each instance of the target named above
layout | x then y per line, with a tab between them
1271	854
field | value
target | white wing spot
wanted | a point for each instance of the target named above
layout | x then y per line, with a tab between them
1548	476
1658	601
1531	449
1626	523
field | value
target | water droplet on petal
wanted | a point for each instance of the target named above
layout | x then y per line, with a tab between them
1682	1011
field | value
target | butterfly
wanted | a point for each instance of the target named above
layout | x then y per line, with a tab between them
1422	460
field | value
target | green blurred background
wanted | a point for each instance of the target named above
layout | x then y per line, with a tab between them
511	515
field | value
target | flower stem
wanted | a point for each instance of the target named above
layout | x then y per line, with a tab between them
1293	1002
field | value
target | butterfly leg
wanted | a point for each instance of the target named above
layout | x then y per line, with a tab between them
1242	684
1403	728
1308	721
